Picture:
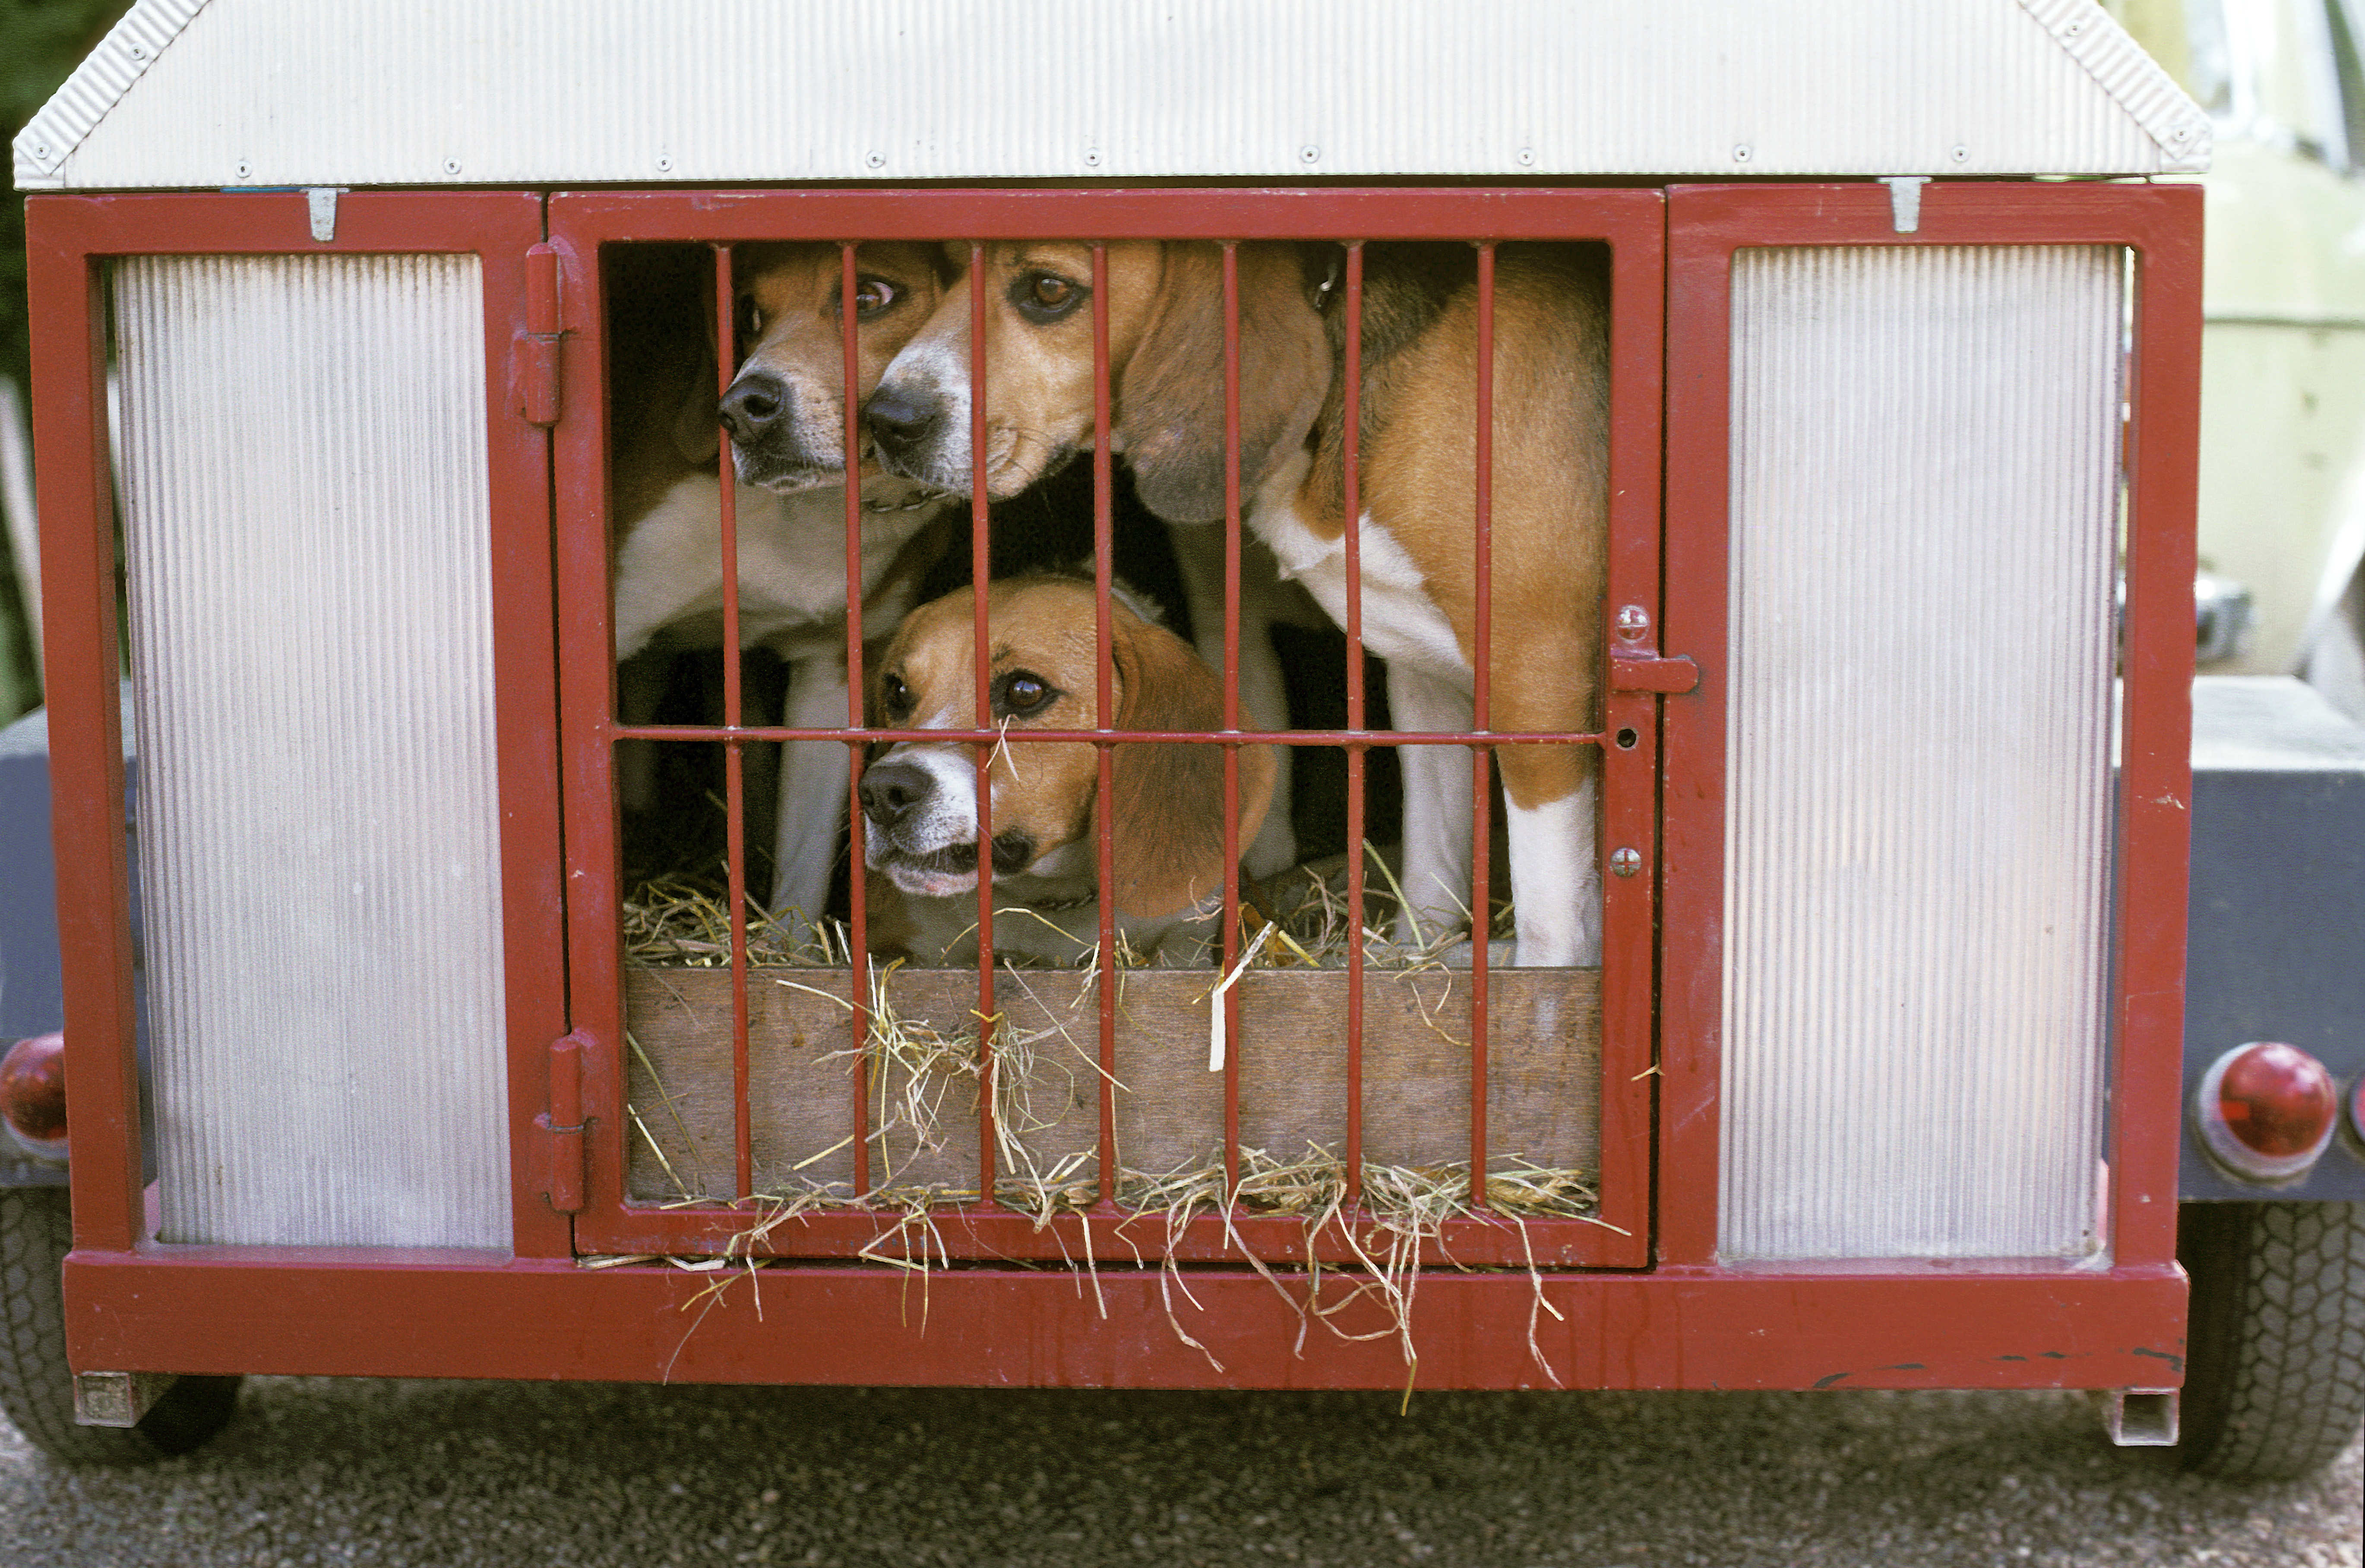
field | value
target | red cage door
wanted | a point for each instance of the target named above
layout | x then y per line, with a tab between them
748	1105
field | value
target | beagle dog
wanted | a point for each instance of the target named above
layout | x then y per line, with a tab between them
786	413
919	798
1165	333
1417	488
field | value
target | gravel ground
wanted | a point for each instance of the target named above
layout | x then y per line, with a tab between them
319	1471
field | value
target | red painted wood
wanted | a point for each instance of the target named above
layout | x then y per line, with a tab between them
67	235
457	1317
2162	225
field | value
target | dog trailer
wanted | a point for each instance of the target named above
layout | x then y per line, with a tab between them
1872	1073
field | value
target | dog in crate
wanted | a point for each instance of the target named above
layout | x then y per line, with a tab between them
920	418
1416	480
919	798
785	410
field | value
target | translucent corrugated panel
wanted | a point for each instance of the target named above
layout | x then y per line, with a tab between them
1925	504
307	525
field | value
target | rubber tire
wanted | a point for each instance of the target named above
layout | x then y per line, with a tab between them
35	1388
2274	1379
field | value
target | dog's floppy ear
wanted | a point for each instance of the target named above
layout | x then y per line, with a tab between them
1169	392
697	417
1169	797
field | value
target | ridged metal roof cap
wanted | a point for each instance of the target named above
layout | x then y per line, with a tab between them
203	94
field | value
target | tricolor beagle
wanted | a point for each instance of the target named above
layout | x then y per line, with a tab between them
1416	483
920	798
1166	381
786	413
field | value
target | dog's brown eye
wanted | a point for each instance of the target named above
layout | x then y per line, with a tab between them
873	295
1021	692
1045	296
895	696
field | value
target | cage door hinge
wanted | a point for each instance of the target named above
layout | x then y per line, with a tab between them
559	1129
1671	676
533	356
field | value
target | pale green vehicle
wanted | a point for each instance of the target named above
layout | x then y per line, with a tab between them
2282	452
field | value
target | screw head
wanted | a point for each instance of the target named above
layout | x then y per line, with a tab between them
877	160
243	170
1309	154
41	149
665	163
1626	862
1091	157
1741	153
451	165
1527	157
1962	154
1634	623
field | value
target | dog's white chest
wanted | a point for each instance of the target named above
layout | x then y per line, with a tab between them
791	563
1401	622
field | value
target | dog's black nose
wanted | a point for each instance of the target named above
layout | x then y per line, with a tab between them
899	422
756	405
891	789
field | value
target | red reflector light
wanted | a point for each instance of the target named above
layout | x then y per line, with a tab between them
33	1093
2267	1110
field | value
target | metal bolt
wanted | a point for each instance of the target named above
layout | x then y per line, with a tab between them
451	165
1091	157
665	163
877	160
1634	623
1309	154
1527	157
1740	154
2072	29
244	170
42	150
1962	154
138	51
1626	862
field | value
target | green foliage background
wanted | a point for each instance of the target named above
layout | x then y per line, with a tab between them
40	42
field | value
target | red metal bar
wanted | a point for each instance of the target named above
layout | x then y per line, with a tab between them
86	768
1482	758
857	938
1104	683
1231	999
1009	1238
2156	743
460	1315
991	737
1100	214
1351	509
980	569
734	786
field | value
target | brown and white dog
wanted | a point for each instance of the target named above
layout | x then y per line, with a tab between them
1166	336
1416	486
786	411
920	798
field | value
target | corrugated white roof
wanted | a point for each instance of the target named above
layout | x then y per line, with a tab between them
200	93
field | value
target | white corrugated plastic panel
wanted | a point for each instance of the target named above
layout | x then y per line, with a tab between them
1924	515
306	535
733	92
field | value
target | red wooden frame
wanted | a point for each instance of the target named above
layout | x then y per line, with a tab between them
68	240
1632	223
2161	224
135	1305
